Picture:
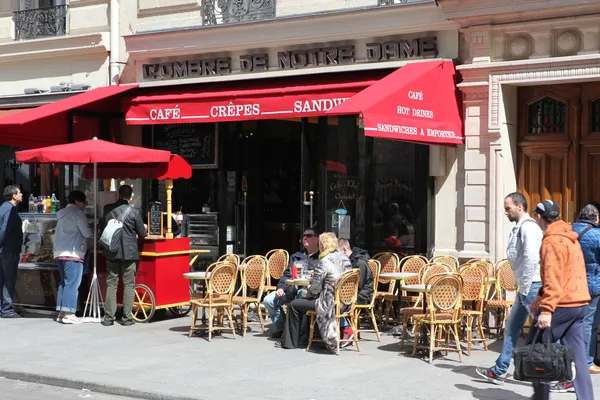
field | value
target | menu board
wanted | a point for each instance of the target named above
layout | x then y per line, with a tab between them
196	143
155	221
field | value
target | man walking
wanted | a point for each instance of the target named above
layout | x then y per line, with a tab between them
523	253
11	240
125	260
563	299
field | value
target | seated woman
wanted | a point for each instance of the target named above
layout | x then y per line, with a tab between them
320	296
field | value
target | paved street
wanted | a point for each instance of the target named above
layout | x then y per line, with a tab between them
19	390
159	361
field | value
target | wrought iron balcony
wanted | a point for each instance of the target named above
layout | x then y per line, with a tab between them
41	22
217	12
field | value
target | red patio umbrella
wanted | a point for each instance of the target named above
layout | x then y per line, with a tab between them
176	168
96	151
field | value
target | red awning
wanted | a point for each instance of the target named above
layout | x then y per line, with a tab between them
49	124
6	113
249	100
416	103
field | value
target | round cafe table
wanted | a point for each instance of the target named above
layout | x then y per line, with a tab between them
298	282
399	276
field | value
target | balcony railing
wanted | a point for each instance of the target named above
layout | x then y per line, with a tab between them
390	2
41	22
217	12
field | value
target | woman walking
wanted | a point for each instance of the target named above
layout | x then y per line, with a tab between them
70	246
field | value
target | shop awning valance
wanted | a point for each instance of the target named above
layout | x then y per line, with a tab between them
416	103
248	100
49	124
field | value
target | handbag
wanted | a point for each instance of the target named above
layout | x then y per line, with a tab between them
544	362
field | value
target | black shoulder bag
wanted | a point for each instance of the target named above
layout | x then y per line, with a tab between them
544	362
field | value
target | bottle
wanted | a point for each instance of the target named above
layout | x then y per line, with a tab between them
45	204
48	205
53	204
31	203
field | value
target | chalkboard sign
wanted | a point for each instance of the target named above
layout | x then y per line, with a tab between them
155	219
196	143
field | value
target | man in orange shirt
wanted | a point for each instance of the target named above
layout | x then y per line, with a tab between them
561	303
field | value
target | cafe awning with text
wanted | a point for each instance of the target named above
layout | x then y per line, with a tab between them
416	103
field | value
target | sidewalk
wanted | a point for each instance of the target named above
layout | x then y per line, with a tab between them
158	361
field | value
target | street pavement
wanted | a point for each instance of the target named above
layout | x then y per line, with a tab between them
158	361
19	390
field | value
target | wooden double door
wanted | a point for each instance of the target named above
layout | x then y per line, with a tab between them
559	145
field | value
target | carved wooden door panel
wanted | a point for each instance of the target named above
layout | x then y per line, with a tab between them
590	143
548	150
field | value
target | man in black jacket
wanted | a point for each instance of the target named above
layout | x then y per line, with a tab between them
11	240
125	260
359	259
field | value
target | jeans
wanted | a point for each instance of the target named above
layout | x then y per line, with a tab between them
516	319
9	266
68	287
273	305
567	324
116	268
590	329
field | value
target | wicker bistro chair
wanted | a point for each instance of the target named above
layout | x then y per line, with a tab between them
505	283
221	281
232	258
474	285
491	270
375	267
389	263
411	264
451	262
277	262
253	284
425	274
345	294
444	303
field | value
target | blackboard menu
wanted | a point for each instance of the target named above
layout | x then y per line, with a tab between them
155	220
196	143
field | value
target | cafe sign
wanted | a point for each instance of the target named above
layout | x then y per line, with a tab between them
424	47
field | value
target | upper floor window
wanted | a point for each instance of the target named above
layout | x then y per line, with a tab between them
216	12
40	18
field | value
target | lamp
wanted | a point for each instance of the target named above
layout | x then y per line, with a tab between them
14	165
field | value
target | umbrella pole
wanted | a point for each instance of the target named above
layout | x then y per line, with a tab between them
94	298
169	184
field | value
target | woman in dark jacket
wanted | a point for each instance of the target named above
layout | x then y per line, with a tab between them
589	238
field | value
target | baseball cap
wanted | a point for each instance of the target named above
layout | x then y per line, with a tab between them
547	209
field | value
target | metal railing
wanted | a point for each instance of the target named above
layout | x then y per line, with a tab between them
217	12
41	22
390	2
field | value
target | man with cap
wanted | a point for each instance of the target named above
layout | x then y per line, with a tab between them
523	253
561	303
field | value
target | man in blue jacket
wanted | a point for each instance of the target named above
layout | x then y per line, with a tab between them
285	293
11	240
589	238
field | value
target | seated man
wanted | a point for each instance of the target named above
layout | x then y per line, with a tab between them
359	259
284	294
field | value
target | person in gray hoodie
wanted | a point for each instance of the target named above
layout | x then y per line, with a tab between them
523	253
70	246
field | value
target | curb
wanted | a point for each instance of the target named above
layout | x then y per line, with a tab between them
93	387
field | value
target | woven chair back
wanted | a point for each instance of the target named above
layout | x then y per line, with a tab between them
473	278
446	293
221	280
434	269
375	268
412	264
487	263
505	277
389	263
451	262
277	261
232	258
256	269
346	289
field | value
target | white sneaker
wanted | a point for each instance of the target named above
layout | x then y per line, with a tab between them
71	319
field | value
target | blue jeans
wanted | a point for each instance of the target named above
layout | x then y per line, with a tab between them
273	305
68	288
516	319
590	329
